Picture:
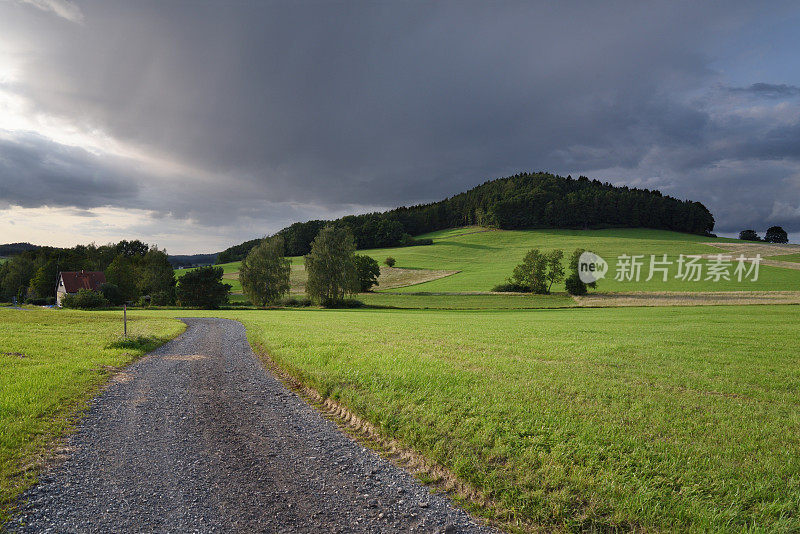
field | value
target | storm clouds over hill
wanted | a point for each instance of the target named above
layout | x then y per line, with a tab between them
215	122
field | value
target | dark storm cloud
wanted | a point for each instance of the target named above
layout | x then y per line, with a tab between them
769	90
380	104
38	172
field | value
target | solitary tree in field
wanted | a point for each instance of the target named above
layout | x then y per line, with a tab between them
203	288
776	234
264	273
368	272
331	266
749	235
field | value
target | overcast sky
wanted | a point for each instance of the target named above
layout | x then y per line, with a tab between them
197	125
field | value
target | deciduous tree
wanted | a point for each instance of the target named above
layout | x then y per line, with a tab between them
531	274
331	266
776	234
749	235
264	272
368	272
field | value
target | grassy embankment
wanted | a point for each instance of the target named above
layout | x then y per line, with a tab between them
50	363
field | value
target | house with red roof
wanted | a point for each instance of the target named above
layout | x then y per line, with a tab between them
71	281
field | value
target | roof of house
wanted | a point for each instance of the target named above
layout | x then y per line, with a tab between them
75	280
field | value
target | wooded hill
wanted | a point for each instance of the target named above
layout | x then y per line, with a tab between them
522	201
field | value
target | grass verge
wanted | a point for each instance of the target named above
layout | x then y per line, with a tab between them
51	363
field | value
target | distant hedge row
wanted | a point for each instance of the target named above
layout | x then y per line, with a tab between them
522	201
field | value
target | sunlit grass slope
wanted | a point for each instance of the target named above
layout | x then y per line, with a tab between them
487	258
49	361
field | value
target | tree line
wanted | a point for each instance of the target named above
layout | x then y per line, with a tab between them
539	271
522	201
334	273
133	269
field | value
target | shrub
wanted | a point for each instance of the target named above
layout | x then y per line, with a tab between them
408	241
749	235
510	287
293	302
85	299
575	285
203	288
390	261
163	298
344	303
43	301
112	293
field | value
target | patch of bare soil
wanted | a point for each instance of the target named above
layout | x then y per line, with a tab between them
765	249
394	277
390	278
677	298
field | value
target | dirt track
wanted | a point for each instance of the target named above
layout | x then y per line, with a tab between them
197	437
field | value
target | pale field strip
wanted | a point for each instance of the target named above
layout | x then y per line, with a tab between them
749	250
680	298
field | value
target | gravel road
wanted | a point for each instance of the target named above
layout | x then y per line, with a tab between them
198	437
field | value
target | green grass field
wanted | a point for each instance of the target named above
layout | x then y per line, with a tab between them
487	258
465	302
659	419
50	361
654	419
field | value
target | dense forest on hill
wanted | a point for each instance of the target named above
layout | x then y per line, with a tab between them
9	249
522	201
